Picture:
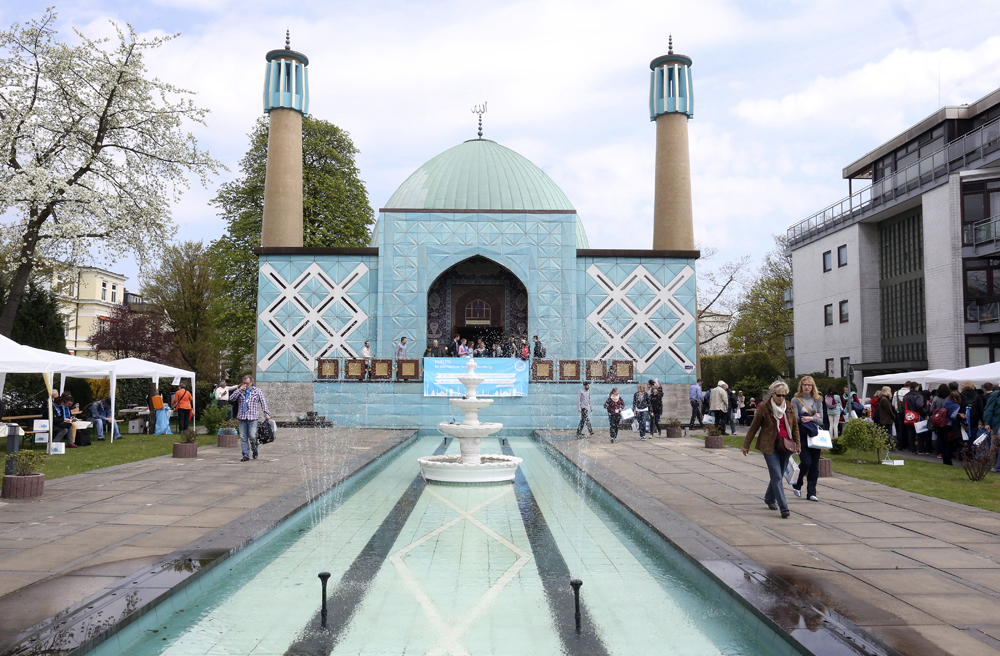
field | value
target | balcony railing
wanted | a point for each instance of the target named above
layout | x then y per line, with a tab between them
952	156
982	313
982	232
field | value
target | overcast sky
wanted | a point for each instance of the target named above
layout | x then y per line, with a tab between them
787	92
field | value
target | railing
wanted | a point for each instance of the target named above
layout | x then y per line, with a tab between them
540	370
952	156
982	232
982	313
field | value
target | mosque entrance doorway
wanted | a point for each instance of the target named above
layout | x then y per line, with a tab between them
477	299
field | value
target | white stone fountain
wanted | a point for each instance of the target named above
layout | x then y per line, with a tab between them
470	466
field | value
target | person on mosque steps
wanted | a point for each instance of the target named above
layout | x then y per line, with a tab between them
453	346
497	350
950	437
480	350
251	404
400	353
718	404
463	349
585	408
538	350
833	410
655	407
914	402
428	352
640	406
182	404
808	406
774	418
525	351
696	396
614	405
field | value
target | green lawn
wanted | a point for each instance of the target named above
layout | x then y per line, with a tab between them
106	454
931	478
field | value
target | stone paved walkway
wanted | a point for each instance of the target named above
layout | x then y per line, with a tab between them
90	530
920	573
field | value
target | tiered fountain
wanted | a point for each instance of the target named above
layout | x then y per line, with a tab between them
470	466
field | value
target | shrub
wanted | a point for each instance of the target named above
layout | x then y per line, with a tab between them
189	435
713	431
230	423
212	417
27	462
839	448
865	436
674	422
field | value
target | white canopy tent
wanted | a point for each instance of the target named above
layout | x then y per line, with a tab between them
923	377
19	359
984	373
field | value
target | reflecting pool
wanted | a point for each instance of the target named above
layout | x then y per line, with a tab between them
455	569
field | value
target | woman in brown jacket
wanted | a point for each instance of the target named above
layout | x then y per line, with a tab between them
774	418
886	415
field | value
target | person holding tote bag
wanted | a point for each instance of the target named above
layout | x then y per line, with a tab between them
808	406
777	431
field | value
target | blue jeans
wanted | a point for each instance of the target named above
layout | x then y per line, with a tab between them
99	425
248	433
776	463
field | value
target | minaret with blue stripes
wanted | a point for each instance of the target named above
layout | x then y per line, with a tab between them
671	104
286	99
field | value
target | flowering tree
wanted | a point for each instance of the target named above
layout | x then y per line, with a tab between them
131	334
92	152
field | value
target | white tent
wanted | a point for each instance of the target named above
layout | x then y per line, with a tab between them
923	377
984	373
19	359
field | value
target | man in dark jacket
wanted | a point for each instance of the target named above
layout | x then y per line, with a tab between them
453	347
539	350
914	402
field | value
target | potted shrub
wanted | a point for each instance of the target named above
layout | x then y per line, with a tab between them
228	435
26	482
189	447
714	438
674	428
212	417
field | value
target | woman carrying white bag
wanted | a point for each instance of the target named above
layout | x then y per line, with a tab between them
808	406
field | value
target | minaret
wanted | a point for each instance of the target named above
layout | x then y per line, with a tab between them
671	104
286	99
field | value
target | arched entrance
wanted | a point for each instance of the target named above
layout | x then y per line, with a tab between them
477	299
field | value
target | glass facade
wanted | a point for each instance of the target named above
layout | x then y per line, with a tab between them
901	282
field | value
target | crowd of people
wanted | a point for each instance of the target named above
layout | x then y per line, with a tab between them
643	415
461	347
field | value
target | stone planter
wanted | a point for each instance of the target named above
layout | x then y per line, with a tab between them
673	431
825	467
23	487
228	439
185	450
715	442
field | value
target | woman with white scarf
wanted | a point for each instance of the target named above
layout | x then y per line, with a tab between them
774	419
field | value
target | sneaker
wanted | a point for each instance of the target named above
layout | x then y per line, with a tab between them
797	491
244	459
785	514
772	505
812	497
101	439
254	455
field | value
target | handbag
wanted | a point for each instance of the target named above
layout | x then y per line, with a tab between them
911	417
627	414
808	428
635	425
822	440
265	432
792	471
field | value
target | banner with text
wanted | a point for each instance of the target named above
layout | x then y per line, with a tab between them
503	376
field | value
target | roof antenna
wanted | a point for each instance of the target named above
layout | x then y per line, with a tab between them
288	40
480	110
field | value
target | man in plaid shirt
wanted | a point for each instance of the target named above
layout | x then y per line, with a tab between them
250	404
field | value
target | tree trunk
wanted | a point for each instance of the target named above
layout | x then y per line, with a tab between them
21	277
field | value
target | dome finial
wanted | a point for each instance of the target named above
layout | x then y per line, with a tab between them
480	110
288	40
670	45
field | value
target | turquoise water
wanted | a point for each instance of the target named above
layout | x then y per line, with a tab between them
455	569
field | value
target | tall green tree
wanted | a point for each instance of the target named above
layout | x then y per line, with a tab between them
182	287
762	319
92	150
335	208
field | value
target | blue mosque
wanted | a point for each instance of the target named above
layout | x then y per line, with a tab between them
481	243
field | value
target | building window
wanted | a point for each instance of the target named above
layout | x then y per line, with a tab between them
842	256
843	312
829	368
980	208
114	293
982	290
104	290
845	367
477	313
982	349
827	261
828	315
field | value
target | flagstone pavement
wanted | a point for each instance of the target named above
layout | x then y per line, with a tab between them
921	574
91	530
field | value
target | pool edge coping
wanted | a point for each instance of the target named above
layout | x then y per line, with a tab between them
756	575
263	520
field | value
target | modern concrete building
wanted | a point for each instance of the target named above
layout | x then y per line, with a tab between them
899	276
87	296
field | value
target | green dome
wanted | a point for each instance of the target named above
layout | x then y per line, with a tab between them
479	175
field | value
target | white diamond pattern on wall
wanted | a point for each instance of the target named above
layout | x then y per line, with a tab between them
300	316
637	331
